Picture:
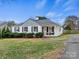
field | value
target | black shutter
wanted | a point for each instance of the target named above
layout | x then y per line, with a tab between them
47	30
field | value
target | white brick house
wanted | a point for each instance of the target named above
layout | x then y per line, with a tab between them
46	26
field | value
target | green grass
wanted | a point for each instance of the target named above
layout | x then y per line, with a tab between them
29	49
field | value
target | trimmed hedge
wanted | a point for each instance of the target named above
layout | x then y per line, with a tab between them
12	35
30	35
6	35
71	32
39	35
0	35
20	35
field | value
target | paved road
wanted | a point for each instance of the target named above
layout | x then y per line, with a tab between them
72	48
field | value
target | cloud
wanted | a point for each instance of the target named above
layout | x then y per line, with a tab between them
59	15
51	14
56	17
69	3
57	1
60	21
54	14
41	3
69	8
6	1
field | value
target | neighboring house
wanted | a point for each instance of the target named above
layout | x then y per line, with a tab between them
44	25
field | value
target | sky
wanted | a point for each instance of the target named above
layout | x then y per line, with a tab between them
21	10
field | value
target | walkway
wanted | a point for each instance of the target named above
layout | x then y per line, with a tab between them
72	48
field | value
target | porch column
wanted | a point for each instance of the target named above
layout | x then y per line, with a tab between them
57	32
13	29
39	29
20	29
45	31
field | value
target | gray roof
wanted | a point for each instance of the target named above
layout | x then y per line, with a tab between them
43	22
3	23
18	24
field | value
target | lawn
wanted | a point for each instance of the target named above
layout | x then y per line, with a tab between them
23	48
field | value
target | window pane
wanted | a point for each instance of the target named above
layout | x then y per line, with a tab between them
26	29
35	29
16	29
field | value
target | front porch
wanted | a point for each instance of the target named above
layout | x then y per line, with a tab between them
48	31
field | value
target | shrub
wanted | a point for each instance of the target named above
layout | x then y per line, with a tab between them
14	35
71	31
11	35
67	28
39	35
5	32
18	35
0	33
30	35
22	35
6	35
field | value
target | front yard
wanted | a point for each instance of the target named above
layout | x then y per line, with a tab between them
24	48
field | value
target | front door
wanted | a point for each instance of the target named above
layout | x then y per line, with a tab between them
47	32
53	30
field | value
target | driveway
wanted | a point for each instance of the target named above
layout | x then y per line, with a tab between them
72	48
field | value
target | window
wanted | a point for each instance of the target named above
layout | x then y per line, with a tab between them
52	29
16	29
26	29
35	29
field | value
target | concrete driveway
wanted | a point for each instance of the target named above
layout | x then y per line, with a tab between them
72	48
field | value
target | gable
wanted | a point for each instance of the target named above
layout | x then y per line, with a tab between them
30	23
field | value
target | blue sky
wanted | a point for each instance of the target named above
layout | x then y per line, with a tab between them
21	10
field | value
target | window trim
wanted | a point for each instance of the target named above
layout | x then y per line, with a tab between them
25	29
35	29
52	28
16	29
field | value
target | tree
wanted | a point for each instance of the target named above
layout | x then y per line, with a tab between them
70	22
5	32
67	28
